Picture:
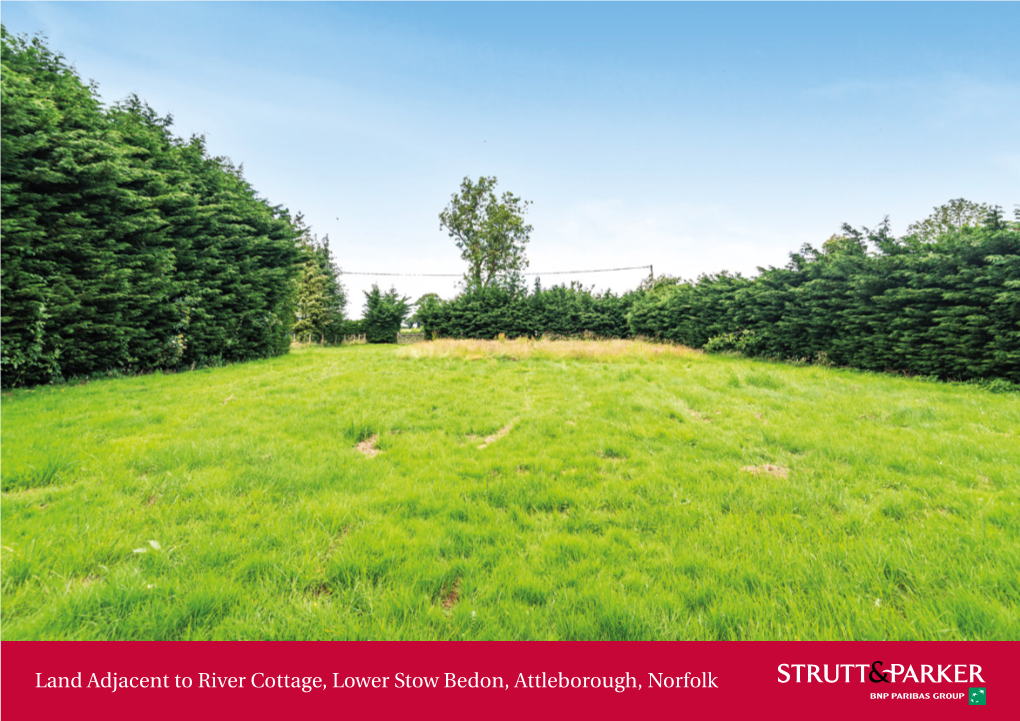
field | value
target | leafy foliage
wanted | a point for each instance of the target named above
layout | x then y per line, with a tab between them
428	300
124	247
321	297
384	313
560	311
947	307
949	217
490	232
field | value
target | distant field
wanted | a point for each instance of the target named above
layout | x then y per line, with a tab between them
520	491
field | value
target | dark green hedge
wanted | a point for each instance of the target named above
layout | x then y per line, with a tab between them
124	247
949	308
557	311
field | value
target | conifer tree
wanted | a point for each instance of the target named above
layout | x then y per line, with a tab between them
126	248
384	314
321	298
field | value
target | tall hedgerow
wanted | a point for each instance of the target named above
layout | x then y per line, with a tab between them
124	247
560	310
948	307
944	301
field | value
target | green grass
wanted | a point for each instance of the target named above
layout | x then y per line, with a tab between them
615	507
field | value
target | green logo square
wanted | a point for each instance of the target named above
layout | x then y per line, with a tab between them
976	696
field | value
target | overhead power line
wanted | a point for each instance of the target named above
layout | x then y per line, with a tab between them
599	270
461	275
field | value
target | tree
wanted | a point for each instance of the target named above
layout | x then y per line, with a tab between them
663	280
993	219
490	232
955	214
422	307
125	248
321	297
384	313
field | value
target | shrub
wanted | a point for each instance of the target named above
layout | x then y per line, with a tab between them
384	314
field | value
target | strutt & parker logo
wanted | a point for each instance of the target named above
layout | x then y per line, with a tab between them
878	672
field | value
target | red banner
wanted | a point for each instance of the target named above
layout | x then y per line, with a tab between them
143	680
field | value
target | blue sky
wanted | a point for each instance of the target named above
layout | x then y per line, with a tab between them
695	137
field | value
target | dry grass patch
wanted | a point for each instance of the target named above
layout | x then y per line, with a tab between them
451	597
768	468
497	435
320	589
367	446
527	348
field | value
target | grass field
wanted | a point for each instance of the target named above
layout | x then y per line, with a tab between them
511	491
